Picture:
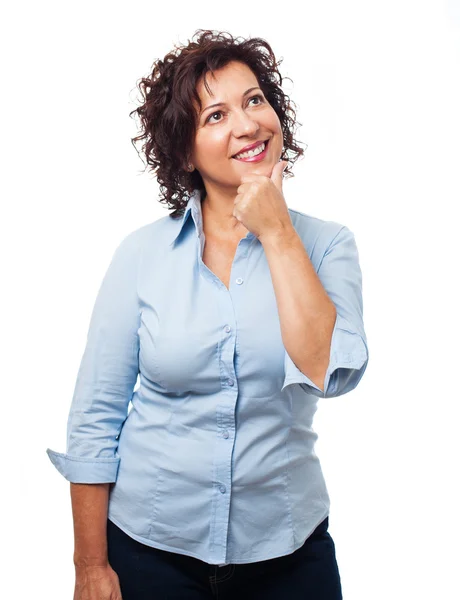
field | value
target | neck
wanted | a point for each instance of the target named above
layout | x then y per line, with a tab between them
217	213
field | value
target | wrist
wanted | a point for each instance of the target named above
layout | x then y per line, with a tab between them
83	562
280	239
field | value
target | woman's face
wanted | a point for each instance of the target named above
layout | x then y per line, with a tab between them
222	131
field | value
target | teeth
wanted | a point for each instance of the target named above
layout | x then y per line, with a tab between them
253	152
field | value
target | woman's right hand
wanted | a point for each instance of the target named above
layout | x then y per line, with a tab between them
96	583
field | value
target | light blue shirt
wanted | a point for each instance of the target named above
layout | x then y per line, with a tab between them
215	457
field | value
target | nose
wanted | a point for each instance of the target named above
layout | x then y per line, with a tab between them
243	125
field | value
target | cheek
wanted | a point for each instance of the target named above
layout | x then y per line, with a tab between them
212	147
276	125
273	124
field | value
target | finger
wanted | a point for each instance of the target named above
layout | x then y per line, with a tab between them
277	173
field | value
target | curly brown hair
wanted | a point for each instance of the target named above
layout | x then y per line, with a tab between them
168	118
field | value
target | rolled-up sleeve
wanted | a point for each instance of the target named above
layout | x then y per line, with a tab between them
340	274
107	374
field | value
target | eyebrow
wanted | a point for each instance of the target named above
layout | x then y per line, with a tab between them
223	103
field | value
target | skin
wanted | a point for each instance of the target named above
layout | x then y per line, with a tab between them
221	132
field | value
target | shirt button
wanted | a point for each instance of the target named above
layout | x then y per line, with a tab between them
239	281
230	382
227	328
225	434
222	489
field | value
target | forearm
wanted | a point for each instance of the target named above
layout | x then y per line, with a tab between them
307	314
89	510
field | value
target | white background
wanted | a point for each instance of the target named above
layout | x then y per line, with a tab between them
377	88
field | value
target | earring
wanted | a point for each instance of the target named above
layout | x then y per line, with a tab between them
190	167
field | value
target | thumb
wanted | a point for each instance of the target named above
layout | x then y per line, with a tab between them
277	173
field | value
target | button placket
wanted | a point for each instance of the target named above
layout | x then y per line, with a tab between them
222	482
225	411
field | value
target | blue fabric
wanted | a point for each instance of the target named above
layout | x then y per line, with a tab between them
214	457
144	573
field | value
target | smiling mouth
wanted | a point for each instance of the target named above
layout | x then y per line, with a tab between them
265	147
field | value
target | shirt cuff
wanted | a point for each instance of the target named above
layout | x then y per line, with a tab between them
85	470
348	361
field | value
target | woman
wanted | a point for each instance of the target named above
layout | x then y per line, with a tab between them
237	317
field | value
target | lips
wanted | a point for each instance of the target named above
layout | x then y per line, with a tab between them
251	147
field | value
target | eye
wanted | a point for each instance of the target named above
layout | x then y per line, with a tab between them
216	113
219	112
259	96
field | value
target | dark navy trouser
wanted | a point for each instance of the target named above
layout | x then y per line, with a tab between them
146	573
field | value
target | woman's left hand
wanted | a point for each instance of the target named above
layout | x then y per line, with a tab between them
260	205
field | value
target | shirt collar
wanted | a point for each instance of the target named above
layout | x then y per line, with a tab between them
193	207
